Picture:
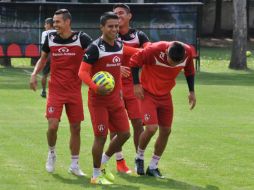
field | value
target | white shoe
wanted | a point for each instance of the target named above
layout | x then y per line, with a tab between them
77	171
50	164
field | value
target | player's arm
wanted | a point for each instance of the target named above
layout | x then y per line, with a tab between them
136	62
90	57
38	67
85	75
189	72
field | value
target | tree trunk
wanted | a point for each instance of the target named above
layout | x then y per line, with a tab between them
217	24
238	56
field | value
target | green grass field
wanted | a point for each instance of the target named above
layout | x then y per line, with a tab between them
211	147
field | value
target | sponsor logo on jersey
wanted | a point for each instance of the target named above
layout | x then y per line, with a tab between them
101	127
63	51
116	61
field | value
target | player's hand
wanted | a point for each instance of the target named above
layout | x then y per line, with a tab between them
33	82
139	91
101	90
192	100
125	71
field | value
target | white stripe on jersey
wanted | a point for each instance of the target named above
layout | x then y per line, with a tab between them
105	53
75	43
132	41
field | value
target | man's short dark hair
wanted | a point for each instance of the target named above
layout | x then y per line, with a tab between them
176	52
106	16
122	5
49	21
66	14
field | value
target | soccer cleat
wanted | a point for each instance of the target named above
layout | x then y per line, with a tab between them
100	180
139	166
50	164
77	171
122	167
43	94
106	173
154	172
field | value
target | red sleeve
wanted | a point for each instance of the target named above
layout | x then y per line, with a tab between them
146	44
85	75
189	68
137	60
129	51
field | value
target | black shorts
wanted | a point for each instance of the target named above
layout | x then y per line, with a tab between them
46	69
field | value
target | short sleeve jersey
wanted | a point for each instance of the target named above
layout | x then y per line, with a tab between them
133	38
157	77
65	57
105	57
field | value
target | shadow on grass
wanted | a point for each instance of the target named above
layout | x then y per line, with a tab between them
166	183
85	182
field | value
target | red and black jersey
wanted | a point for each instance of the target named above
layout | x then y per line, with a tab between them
66	56
105	57
157	77
134	38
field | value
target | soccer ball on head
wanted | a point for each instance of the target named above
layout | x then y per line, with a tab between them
104	78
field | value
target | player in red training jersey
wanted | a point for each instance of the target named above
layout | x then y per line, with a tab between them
106	108
133	38
161	62
66	49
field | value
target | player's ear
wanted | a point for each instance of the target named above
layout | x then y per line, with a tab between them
130	16
101	27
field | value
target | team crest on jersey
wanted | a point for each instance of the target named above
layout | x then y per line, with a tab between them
147	116
116	60
51	109
52	37
74	37
132	35
101	127
102	47
63	50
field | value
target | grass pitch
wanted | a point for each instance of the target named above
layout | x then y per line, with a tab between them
210	148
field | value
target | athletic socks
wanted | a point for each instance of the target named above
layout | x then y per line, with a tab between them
74	161
154	162
140	154
52	149
96	172
104	158
119	156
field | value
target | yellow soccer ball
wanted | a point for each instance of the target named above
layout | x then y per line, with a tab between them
248	53
104	78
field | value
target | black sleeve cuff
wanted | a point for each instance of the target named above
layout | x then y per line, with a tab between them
190	81
135	74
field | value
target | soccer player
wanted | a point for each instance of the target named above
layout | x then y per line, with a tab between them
66	49
134	38
161	62
48	25
106	108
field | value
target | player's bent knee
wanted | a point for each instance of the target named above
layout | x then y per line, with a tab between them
151	129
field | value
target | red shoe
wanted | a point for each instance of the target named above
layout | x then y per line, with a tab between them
122	167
